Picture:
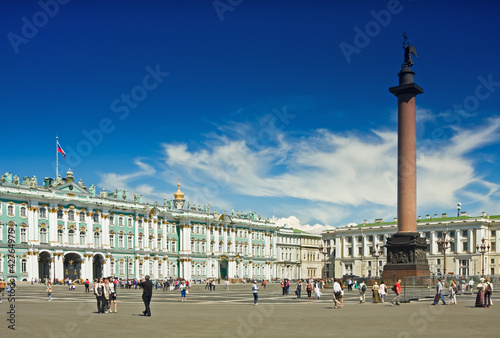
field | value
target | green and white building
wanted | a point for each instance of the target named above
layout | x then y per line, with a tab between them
64	229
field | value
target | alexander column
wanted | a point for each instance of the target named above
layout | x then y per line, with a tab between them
406	250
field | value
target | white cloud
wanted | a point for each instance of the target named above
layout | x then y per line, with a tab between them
323	176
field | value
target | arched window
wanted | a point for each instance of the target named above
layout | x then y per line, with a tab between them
82	237
23	235
120	221
71	237
71	215
96	217
140	223
111	240
159	244
23	211
130	268
43	235
10	210
120	241
112	267
43	213
82	217
151	242
97	238
24	264
60	236
60	214
129	221
140	269
141	242
121	268
130	242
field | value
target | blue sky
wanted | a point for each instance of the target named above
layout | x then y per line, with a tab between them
280	107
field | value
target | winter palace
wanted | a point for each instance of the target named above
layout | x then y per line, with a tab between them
64	229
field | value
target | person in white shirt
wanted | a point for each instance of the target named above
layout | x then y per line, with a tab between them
255	290
337	293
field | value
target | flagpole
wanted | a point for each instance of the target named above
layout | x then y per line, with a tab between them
57	157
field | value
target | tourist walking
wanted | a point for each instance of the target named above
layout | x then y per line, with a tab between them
376	293
439	293
183	289
255	291
349	285
382	290
488	290
397	291
112	295
337	293
105	296
317	292
480	292
98	293
48	289
309	289
362	292
298	290
453	293
147	293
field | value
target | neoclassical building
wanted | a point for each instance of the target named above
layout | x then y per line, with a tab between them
64	229
353	249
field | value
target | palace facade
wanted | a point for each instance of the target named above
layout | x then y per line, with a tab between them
64	229
471	248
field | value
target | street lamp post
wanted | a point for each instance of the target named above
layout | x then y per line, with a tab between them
482	249
324	250
377	253
445	245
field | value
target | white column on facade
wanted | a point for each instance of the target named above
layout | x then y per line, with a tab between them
59	266
433	243
155	234
354	246
104	220
32	224
90	228
470	242
233	242
457	245
250	234
164	239
52	224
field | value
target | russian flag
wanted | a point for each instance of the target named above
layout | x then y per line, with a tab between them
60	150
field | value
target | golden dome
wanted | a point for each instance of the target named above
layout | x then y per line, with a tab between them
179	195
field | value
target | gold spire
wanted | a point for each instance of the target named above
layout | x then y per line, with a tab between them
179	195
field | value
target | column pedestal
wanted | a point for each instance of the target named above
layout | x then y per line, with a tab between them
406	257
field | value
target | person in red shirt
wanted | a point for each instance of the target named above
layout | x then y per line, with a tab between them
397	291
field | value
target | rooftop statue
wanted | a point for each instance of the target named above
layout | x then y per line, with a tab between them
409	49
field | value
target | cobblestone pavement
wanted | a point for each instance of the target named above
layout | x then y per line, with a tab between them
231	313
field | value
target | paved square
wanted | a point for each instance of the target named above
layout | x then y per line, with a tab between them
231	313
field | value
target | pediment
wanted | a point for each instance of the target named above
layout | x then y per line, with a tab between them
71	188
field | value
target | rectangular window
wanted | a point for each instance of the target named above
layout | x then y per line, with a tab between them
464	246
43	213
111	241
120	242
82	217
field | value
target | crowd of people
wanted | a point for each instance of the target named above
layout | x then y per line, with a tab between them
105	290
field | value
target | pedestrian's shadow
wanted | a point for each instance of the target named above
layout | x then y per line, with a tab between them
139	315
